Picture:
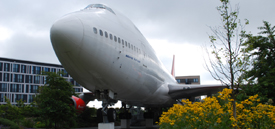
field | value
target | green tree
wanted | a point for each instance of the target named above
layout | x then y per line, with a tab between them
54	102
261	51
225	61
12	112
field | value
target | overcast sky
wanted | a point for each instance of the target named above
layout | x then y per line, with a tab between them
177	27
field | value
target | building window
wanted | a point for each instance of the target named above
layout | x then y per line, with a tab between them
95	30
78	89
76	84
20	88
1	66
31	98
47	69
34	89
64	73
6	67
19	77
13	88
0	76
3	87
36	70
16	67
29	69
6	77
33	69
23	69
72	81
28	79
36	79
27	89
2	98
21	97
53	70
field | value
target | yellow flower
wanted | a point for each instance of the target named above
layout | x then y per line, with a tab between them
219	120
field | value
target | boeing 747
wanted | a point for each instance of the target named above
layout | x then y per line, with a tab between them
107	54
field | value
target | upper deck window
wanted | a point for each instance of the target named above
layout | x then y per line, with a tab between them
100	6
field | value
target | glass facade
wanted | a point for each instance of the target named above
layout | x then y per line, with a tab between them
23	69
20	79
188	80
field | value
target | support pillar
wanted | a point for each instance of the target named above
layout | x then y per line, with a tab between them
125	123
149	123
106	125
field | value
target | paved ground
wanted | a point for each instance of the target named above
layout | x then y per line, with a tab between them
132	127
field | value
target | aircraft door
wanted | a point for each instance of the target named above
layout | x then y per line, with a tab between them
143	55
117	61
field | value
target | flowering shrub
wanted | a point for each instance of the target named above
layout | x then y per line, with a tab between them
217	112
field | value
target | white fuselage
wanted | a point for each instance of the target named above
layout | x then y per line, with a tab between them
98	62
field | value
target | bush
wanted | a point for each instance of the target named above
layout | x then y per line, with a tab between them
10	123
28	122
217	112
40	125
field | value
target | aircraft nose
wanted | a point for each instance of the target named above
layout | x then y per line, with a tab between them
66	34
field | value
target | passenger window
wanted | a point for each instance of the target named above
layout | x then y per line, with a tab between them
106	34
132	47
125	43
129	45
118	40
115	38
95	30
111	36
122	41
101	32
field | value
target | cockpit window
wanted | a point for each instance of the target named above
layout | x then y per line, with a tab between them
101	6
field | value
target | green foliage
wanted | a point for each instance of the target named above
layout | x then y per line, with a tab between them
9	123
41	124
28	122
86	118
30	110
54	102
216	112
226	62
11	112
261	51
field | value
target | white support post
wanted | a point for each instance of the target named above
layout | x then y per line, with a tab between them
106	125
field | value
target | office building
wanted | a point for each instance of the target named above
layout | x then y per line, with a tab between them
20	79
188	80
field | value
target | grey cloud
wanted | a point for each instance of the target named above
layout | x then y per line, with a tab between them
175	21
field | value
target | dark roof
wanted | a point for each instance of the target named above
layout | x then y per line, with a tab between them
30	62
